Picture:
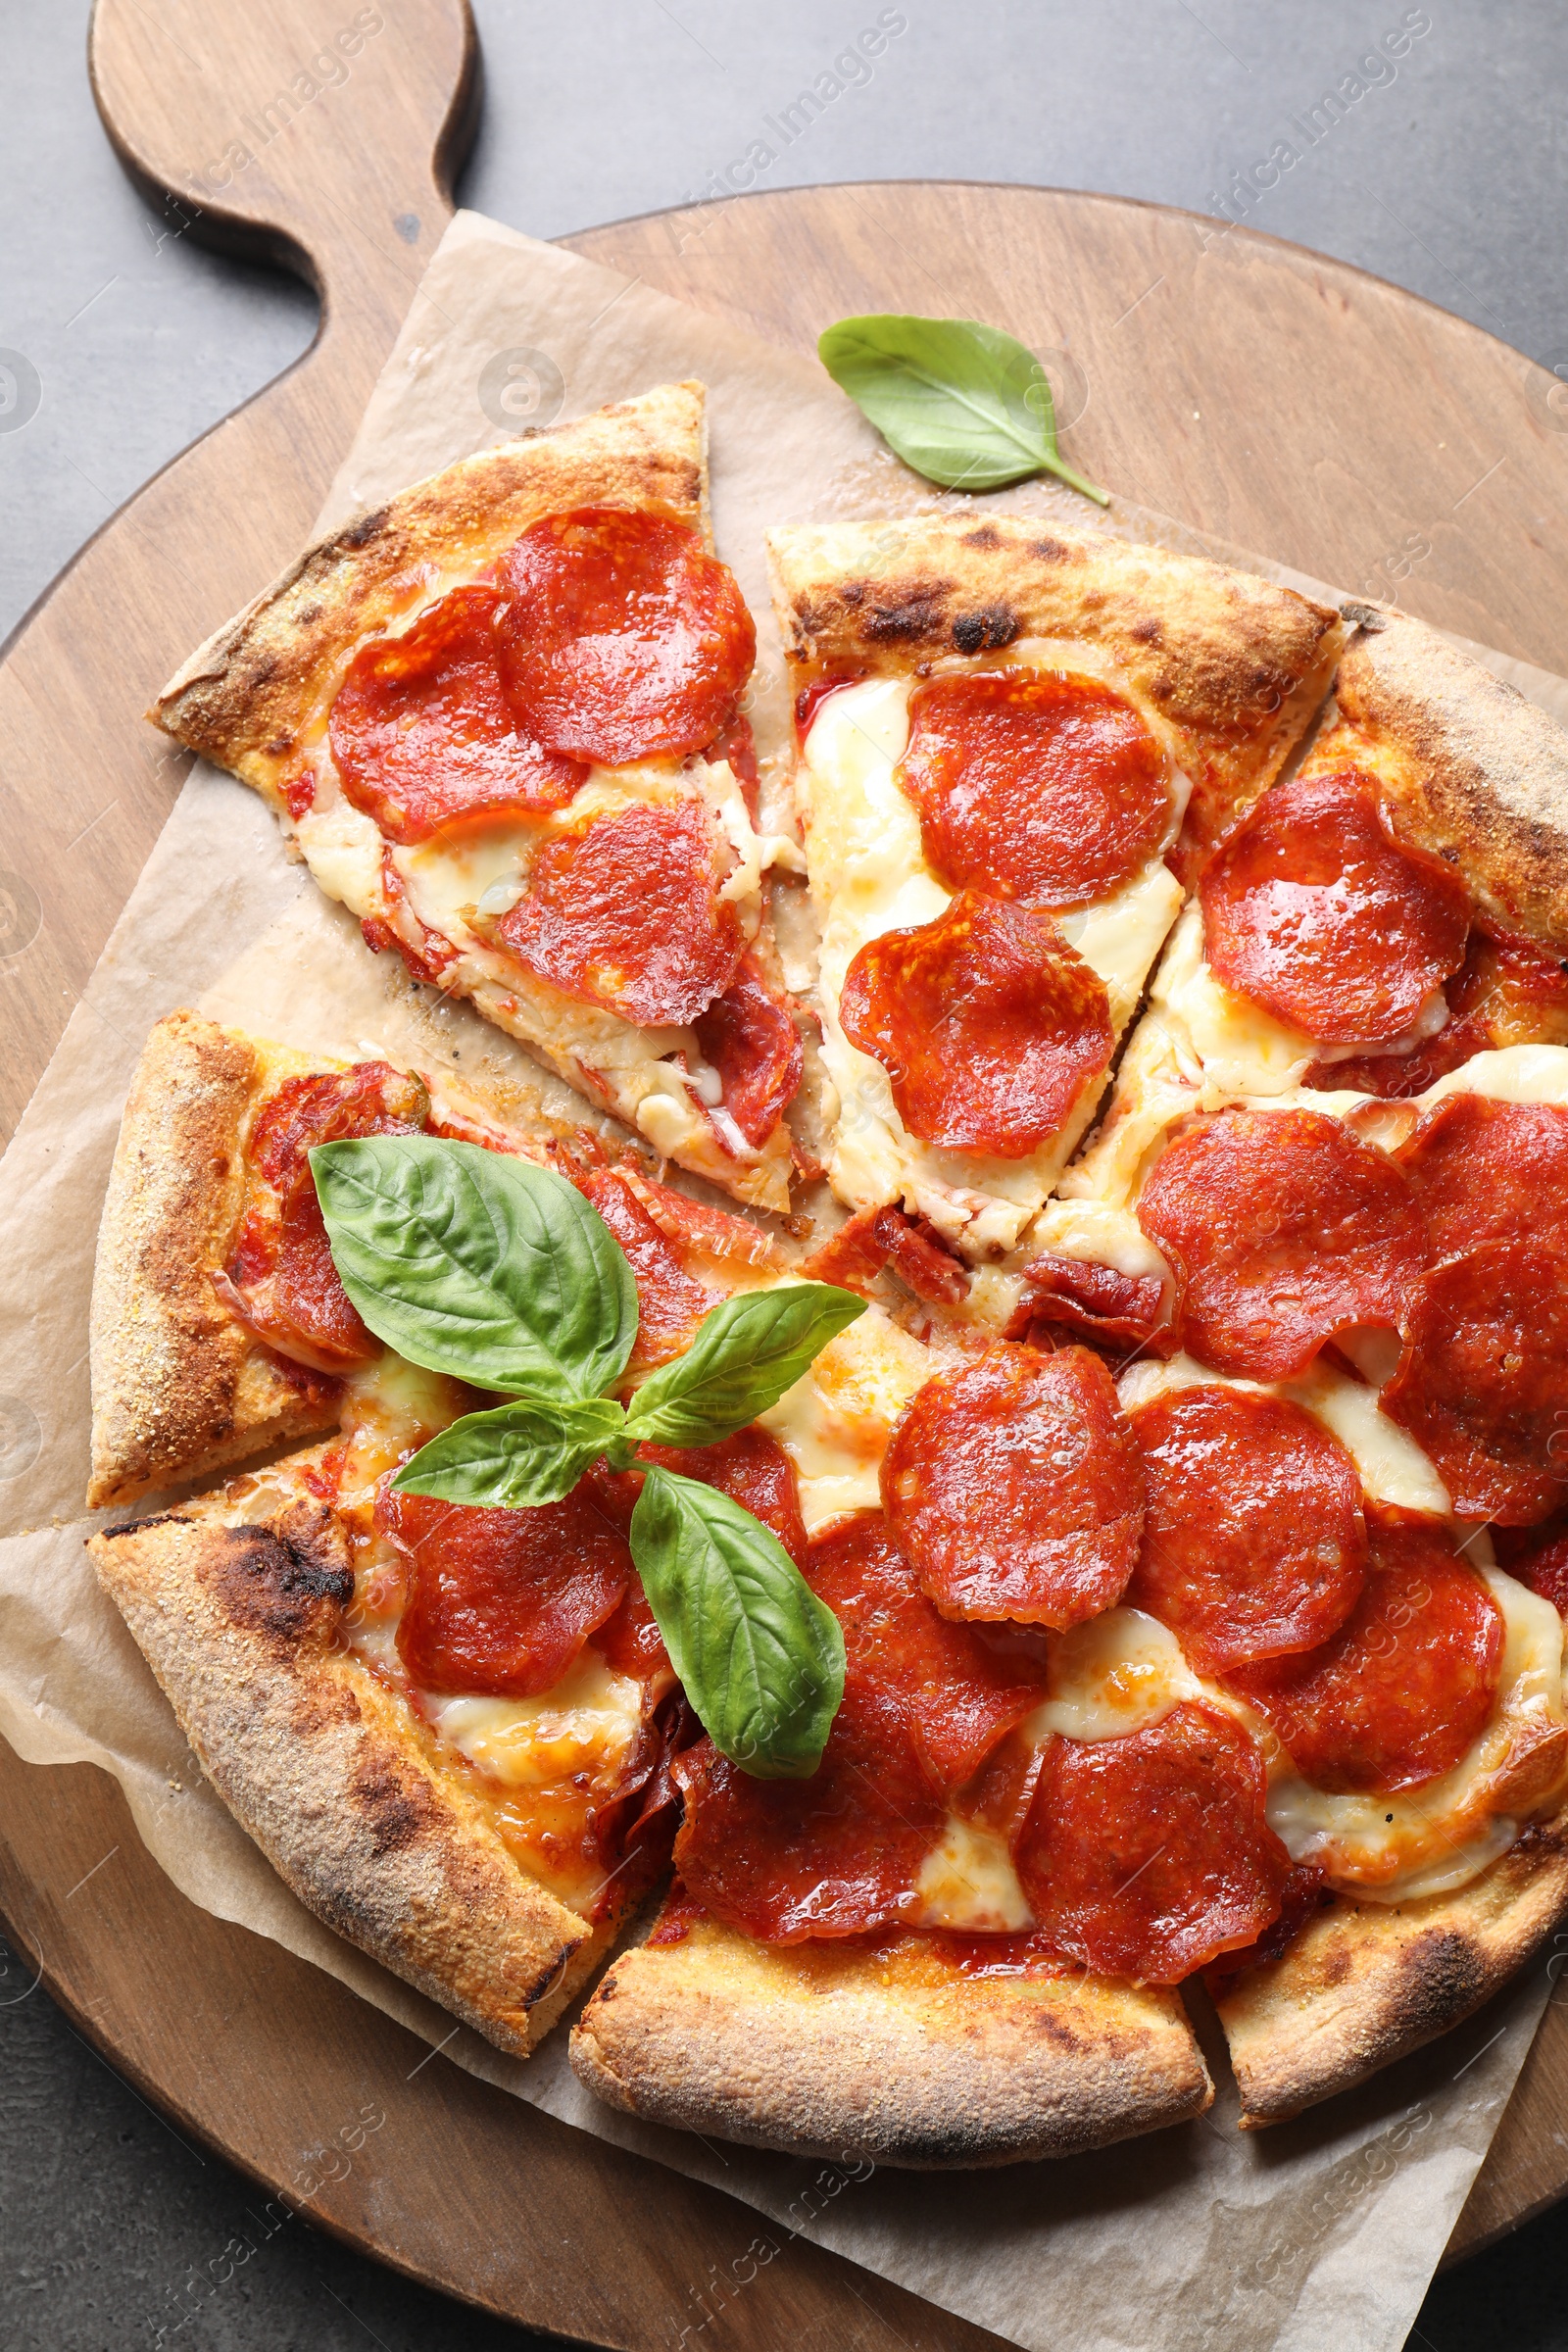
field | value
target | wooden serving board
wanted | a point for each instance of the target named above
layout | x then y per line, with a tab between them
1278	400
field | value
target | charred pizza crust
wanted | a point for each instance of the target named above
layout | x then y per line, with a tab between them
1365	1983
847	2054
1477	774
329	1772
1235	665
179	1386
244	696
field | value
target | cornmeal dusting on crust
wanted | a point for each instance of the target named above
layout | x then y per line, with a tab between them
330	1772
838	2055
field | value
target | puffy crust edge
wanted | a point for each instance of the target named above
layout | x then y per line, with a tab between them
833	2055
1366	1983
1482	776
1236	665
328	1771
244	696
179	1388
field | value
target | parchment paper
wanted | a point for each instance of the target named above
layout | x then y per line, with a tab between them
1323	2230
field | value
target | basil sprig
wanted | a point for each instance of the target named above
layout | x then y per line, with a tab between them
965	405
501	1274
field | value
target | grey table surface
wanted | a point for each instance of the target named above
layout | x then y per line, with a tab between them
1448	175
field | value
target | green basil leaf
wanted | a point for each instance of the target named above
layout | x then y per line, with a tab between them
518	1456
965	405
762	1658
477	1264
747	1351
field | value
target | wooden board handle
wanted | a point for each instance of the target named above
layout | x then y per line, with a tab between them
349	155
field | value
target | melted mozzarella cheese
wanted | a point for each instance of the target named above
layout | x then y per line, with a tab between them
343	850
588	1723
1508	1074
869	876
1230	1046
1438	1836
835	1422
967	1882
1115	1674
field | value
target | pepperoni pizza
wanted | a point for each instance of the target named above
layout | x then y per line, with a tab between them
1189	1499
501	718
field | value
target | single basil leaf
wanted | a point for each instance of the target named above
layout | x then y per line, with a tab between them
747	1351
760	1657
965	405
473	1263
520	1454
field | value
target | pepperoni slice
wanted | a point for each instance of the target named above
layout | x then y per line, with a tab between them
422	733
1150	1855
834	1855
1115	1310
988	1023
1014	1488
751	1467
960	1693
624	912
669	1303
1044	788
873	1237
1508	992
502	1602
748	1035
629	1640
625	638
1313	910
1538	1556
1304	1894
1487	1171
1483	1383
1406	1684
1283	1229
280	1278
1254	1544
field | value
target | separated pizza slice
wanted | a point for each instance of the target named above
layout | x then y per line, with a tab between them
501	718
1014	745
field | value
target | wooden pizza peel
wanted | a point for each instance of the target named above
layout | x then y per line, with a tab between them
1275	399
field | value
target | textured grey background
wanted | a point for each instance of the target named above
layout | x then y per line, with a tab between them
1450	180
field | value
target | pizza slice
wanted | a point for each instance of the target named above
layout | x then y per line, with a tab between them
1014	745
500	717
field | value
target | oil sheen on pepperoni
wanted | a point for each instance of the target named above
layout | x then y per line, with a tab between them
281	1271
988	1025
1038	787
836	1854
1253	1540
1120	1311
624	912
423	736
502	1602
960	1693
1015	1489
1538	1556
750	1039
669	1303
1150	1855
1507	991
751	1467
625	638
1283	1229
1399	1692
1313	910
1487	1171
1483	1383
